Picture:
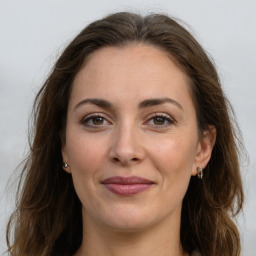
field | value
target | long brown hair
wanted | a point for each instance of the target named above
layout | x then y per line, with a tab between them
47	220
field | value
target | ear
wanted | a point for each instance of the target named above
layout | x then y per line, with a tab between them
65	158
204	149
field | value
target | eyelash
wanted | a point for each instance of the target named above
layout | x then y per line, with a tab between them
165	117
92	117
151	117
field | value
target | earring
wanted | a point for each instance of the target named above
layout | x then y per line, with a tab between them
65	165
199	172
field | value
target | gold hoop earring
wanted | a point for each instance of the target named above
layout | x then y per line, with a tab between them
199	172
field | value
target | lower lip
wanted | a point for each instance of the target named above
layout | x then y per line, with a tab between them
127	190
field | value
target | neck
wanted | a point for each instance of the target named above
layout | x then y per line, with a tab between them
154	241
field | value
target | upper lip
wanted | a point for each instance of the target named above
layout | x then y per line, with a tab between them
127	180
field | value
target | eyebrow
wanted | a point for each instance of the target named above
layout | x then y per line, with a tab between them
98	102
159	101
144	104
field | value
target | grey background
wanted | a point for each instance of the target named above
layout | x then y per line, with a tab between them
33	33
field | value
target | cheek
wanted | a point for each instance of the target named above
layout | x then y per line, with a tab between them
85	153
174	163
174	157
86	160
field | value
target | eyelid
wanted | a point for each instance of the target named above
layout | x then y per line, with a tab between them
92	115
155	114
107	119
167	117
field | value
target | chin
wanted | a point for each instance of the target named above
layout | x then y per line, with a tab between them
129	219
129	225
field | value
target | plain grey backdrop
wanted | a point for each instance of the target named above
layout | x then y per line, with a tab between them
33	33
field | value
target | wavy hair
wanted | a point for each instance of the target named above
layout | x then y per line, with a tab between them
47	220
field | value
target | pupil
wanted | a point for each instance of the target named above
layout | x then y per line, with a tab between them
97	120
159	120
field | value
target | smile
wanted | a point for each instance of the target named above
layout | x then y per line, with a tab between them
127	186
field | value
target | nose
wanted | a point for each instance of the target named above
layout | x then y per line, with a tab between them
127	148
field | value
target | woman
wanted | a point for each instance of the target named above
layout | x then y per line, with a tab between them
134	151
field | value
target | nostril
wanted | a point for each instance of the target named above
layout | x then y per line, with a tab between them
115	159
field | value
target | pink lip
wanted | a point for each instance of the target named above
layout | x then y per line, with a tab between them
127	186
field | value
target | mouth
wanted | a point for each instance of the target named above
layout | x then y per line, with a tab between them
127	186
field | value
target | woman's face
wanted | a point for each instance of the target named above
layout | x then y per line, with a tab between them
131	138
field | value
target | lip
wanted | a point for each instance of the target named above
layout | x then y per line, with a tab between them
127	186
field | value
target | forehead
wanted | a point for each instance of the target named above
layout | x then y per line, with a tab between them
134	71
132	57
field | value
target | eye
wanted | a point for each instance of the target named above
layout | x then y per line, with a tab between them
94	120
159	120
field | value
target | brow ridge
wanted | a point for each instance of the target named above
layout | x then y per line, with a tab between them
144	104
159	101
96	101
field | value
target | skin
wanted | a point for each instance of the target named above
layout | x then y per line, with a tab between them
129	140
